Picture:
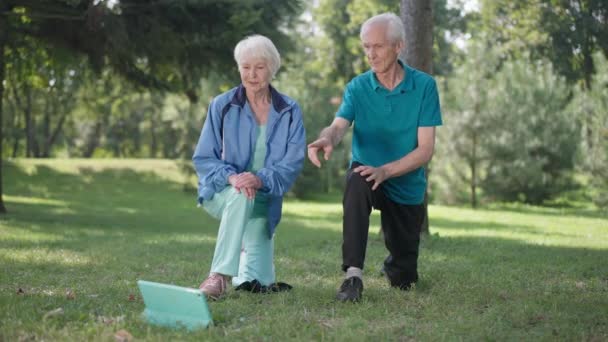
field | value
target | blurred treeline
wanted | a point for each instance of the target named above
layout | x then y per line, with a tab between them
524	87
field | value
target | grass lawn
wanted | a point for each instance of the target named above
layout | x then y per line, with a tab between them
80	233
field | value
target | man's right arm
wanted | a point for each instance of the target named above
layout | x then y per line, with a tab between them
330	137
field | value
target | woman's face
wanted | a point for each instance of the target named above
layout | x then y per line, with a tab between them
255	74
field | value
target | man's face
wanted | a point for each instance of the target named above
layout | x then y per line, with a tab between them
380	52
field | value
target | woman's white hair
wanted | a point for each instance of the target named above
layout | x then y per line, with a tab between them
258	46
394	26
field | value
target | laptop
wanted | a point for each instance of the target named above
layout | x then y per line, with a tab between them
174	306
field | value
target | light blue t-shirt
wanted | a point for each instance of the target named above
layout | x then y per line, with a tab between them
386	125
260	206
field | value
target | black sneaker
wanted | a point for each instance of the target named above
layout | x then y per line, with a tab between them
350	290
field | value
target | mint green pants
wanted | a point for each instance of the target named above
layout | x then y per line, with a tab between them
243	249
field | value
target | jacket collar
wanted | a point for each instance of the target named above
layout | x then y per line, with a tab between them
278	102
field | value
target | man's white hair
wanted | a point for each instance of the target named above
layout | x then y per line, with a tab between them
394	26
258	46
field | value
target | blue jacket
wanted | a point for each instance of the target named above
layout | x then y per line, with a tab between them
226	145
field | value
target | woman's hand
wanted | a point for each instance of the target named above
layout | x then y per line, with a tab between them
246	182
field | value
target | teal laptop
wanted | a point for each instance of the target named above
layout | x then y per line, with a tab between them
174	306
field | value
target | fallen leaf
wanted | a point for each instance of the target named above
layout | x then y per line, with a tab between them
536	319
20	291
56	312
27	338
131	297
123	336
105	320
69	294
110	320
326	323
580	285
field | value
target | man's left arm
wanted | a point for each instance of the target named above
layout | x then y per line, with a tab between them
420	156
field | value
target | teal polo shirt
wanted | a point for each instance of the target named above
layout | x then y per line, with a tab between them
386	125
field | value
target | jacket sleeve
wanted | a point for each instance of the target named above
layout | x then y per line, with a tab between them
278	178
212	171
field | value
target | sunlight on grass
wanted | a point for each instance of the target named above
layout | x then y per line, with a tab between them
14	234
167	169
193	239
538	229
43	256
34	200
311	209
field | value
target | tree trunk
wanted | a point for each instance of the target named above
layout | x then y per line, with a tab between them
53	138
13	129
27	114
3	29
92	140
474	172
417	17
46	126
153	138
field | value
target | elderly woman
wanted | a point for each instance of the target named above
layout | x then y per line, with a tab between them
249	153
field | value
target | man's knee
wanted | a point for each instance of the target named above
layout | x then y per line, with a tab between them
357	182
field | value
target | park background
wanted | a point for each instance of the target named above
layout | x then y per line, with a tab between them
102	103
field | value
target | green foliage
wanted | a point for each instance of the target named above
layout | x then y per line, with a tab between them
82	232
461	152
565	32
532	140
591	107
577	30
164	44
40	87
67	60
507	133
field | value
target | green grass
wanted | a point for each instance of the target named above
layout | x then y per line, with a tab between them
80	233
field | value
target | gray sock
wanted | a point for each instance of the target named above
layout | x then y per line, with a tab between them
354	272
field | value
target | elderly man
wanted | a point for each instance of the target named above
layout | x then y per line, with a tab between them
394	109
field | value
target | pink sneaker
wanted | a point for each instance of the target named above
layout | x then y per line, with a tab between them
214	286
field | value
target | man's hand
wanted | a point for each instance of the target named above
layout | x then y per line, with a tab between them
375	174
314	147
246	182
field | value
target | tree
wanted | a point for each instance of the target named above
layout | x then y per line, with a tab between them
576	30
532	140
40	89
593	104
3	39
168	45
417	16
461	149
566	32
